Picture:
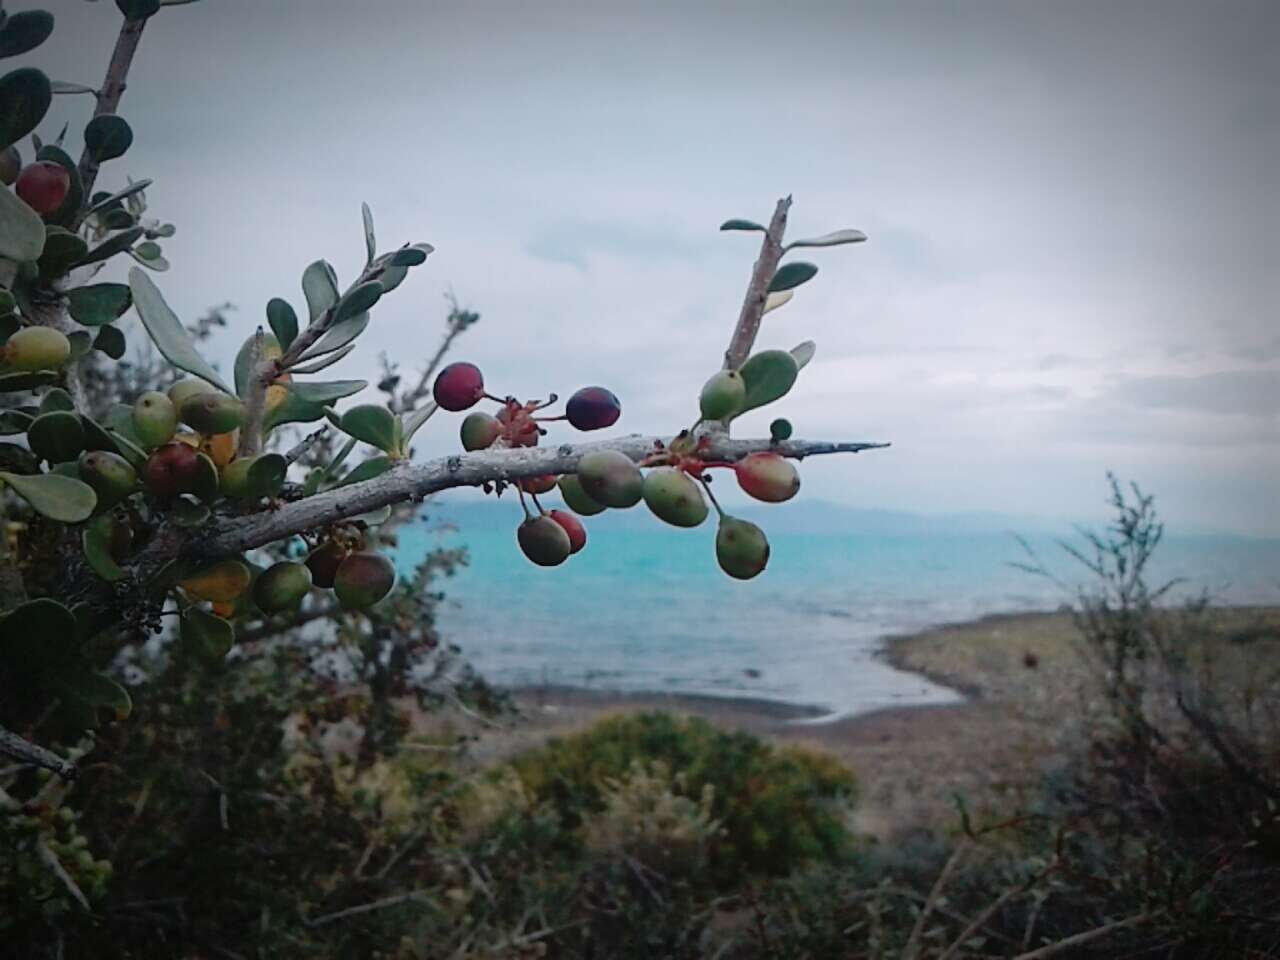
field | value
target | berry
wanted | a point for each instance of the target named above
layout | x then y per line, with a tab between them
573	527
43	186
281	587
111	476
576	499
184	389
458	387
722	395
767	477
479	430
212	412
544	541
362	579
171	469
609	477
323	563
220	583
741	548
674	497
154	419
36	348
233	479
593	408
540	484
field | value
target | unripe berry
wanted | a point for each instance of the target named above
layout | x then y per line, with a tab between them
479	430
544	541
221	583
767	477
111	476
674	496
233	479
722	395
43	186
573	527
323	563
593	408
609	477
363	579
36	348
212	412
576	499
281	587
154	419
741	548
171	469
458	386
181	391
10	165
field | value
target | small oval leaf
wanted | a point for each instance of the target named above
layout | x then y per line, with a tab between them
371	424
768	376
21	229
802	353
370	240
325	392
25	96
742	225
791	275
24	31
320	287
170	336
207	637
107	136
56	497
282	320
775	300
96	542
833	239
373	467
99	304
359	300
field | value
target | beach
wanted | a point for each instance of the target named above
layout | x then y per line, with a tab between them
1021	680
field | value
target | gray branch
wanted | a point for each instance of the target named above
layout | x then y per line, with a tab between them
12	745
415	481
766	265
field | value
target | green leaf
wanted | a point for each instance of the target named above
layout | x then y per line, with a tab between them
96	436
67	87
742	225
170	336
153	262
331	469
99	304
206	481
320	287
98	692
24	31
775	300
14	421
58	498
96	542
138	9
21	229
292	410
792	275
56	399
407	257
392	276
370	240
81	343
768	376
129	449
57	436
25	96
38	636
62	250
323	362
267	474
414	421
802	353
371	424
371	468
282	320
110	200
110	341
358	301
116	243
338	336
325	392
833	239
10	382
107	136
188	511
205	636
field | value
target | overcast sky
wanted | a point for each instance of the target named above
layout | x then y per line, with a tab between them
1072	210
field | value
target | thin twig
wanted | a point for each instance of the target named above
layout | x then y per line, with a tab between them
113	87
12	745
766	265
912	948
50	860
414	895
306	443
1085	937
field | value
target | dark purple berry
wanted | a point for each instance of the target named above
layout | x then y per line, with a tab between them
458	386
593	408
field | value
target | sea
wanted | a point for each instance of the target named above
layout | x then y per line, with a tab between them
644	607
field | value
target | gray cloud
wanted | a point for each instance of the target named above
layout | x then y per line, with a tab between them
1254	393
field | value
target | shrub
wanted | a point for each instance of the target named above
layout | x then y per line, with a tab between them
777	807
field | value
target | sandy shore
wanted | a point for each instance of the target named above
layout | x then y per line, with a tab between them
1021	675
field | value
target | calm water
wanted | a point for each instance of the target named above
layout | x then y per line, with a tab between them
646	608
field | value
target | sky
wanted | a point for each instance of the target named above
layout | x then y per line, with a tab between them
1072	264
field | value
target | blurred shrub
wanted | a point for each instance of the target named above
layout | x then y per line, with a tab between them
777	806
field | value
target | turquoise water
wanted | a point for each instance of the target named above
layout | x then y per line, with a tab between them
645	607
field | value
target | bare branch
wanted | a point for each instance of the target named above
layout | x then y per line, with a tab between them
412	896
12	745
459	320
415	481
50	860
113	87
1085	937
305	444
744	334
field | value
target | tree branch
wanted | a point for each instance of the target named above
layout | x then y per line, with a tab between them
113	87
744	334
12	745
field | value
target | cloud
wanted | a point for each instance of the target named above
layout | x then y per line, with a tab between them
1252	393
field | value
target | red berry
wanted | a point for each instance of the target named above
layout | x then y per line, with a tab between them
43	186
171	469
458	386
538	484
767	477
573	527
593	408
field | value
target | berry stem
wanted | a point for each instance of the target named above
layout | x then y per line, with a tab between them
524	506
711	496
